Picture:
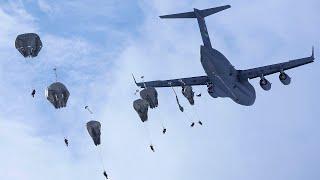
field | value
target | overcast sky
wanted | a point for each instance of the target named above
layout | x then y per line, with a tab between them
96	45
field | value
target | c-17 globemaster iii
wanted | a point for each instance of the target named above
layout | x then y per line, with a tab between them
222	79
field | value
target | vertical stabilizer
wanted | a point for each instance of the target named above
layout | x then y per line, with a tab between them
199	15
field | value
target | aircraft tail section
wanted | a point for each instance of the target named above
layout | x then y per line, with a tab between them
203	13
199	15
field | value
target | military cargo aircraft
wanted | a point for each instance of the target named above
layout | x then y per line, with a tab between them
222	79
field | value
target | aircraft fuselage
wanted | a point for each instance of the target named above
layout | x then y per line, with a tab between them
224	78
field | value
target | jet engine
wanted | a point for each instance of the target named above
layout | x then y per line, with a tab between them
265	84
284	78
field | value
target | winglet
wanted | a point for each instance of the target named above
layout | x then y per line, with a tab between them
134	79
312	52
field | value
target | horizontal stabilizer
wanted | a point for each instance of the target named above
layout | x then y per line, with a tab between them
203	13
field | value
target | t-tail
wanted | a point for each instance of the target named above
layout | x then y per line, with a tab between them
200	15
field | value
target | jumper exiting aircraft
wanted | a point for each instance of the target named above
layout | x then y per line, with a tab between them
222	79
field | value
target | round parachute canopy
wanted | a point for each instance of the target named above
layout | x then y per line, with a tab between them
94	130
188	93
141	107
29	44
57	94
150	94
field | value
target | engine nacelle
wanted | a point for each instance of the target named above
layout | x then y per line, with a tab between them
265	84
284	78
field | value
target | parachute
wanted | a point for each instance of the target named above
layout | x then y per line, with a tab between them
57	94
188	93
29	44
150	94
94	130
179	105
141	107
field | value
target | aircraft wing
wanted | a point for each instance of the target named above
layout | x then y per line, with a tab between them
271	69
192	81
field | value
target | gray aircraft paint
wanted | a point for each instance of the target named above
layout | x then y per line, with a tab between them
226	80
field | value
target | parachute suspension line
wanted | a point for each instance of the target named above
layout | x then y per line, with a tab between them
88	109
163	124
63	130
65	137
146	127
177	99
137	90
101	157
55	73
102	161
195	110
31	68
90	112
164	129
144	84
172	88
150	138
188	117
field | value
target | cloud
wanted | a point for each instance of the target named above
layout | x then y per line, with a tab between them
14	19
45	7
